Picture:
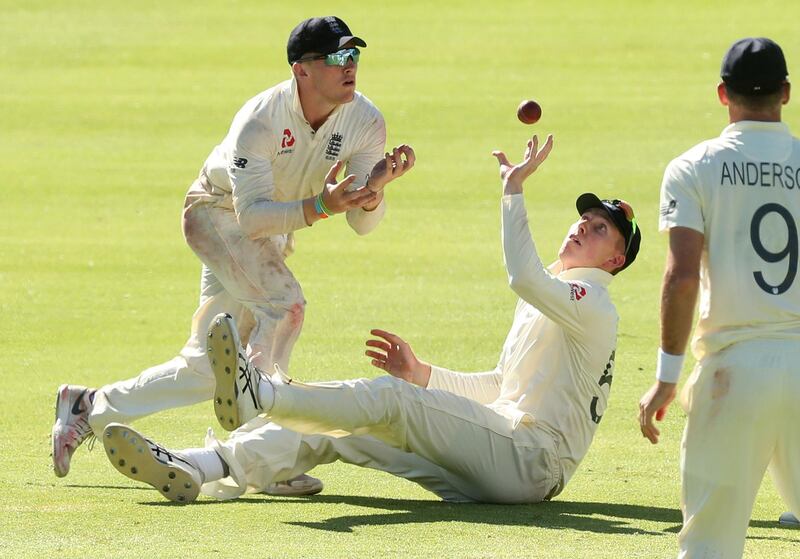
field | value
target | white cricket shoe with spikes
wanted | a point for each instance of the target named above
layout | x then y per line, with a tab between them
236	398
141	459
71	425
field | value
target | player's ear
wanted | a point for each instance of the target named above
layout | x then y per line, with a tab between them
299	70
722	93
616	261
787	93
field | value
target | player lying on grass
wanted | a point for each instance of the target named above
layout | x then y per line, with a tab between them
512	435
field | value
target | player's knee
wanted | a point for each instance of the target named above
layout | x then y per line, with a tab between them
296	315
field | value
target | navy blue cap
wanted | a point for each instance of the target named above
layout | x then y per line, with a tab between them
754	66
322	35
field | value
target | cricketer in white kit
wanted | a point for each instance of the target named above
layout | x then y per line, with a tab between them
512	435
731	206
273	173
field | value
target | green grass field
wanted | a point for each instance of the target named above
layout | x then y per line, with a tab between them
108	109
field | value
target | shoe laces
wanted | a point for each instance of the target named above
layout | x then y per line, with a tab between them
250	375
84	433
164	455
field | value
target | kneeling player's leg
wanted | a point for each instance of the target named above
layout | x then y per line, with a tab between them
727	444
185	380
253	271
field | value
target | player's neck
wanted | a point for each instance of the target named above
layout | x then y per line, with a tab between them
736	114
316	109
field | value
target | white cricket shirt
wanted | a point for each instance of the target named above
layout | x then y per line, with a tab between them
557	362
742	192
271	159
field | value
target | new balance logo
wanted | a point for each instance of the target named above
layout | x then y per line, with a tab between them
240	162
334	146
669	207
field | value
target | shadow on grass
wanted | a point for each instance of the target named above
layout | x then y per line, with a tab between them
583	516
609	518
123	487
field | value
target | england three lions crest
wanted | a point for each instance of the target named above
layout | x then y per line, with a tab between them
334	146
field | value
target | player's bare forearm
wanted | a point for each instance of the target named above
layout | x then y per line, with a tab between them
678	298
679	289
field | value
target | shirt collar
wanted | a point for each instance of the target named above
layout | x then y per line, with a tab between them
591	275
755	126
296	106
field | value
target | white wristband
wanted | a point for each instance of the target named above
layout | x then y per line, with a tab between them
669	367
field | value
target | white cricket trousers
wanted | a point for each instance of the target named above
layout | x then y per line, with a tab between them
742	406
453	446
244	277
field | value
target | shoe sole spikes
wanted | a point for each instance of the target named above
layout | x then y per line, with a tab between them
222	346
130	454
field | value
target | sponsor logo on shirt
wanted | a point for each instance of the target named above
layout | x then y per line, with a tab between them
288	139
240	162
576	292
334	146
668	208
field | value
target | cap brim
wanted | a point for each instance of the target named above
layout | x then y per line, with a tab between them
588	201
358	41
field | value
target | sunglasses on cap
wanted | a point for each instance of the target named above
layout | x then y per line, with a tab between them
629	215
338	58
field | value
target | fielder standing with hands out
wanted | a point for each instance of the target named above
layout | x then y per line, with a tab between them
731	206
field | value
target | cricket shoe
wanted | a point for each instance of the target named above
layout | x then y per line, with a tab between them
236	398
71	425
296	487
141	459
788	519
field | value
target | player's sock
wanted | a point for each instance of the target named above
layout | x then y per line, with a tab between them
210	464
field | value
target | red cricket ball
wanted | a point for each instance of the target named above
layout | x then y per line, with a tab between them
529	112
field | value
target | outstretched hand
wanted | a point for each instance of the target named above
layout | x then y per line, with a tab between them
396	358
338	198
392	166
514	175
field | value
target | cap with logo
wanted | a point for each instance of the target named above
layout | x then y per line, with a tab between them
621	215
754	66
322	35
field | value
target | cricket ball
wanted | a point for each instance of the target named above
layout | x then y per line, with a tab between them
529	112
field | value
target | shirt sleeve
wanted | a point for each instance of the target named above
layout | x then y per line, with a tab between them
572	304
484	388
360	165
680	198
253	186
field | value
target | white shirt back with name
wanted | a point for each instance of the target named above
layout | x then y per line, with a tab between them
742	192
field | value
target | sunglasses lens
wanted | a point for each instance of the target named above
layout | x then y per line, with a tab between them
340	58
